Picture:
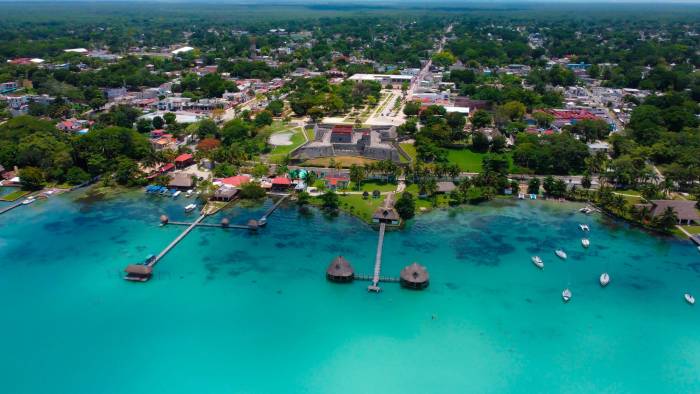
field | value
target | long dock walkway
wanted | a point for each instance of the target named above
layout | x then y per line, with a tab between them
378	260
11	207
176	241
239	226
263	218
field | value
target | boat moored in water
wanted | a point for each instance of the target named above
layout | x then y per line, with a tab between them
586	210
689	298
604	279
189	193
190	207
584	227
566	295
177	193
29	200
561	254
537	261
585	242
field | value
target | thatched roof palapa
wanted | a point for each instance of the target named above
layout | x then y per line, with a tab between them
340	270
415	276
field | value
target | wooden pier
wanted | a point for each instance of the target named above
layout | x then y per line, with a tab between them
237	226
370	278
263	218
378	261
176	241
11	207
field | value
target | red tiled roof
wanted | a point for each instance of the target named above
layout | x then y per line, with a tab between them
281	181
183	157
334	180
167	167
236	180
342	129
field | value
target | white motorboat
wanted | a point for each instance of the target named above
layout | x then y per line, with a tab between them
604	279
586	210
177	193
689	298
585	242
190	208
584	227
566	295
189	193
536	260
28	201
561	254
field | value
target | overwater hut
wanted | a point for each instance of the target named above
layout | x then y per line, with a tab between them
225	194
414	276
340	271
138	272
386	215
281	184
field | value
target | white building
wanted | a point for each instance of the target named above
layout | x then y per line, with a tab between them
384	79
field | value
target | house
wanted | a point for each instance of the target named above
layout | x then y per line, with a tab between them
445	187
337	182
236	181
225	194
184	160
281	183
685	210
74	125
598	146
181	181
387	216
7	87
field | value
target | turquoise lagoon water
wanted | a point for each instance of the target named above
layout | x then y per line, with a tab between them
234	312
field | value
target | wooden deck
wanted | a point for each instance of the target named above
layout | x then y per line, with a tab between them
378	260
263	218
176	241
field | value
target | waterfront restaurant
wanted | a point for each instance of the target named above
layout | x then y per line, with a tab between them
184	160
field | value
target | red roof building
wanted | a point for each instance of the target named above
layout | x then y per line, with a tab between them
281	181
236	181
342	129
184	160
167	167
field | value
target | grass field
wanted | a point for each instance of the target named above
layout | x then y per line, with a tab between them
410	149
371	186
360	207
344	161
467	160
15	195
280	151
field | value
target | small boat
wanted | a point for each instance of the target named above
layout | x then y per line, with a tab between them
566	295
536	260
189	193
604	279
177	193
190	207
585	242
586	210
28	201
689	298
521	196
584	227
561	254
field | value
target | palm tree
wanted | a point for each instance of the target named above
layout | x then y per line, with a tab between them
667	220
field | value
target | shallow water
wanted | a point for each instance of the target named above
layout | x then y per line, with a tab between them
235	312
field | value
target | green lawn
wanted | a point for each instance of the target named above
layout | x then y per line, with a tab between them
410	149
692	229
469	160
280	151
363	208
373	185
276	127
15	195
466	159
